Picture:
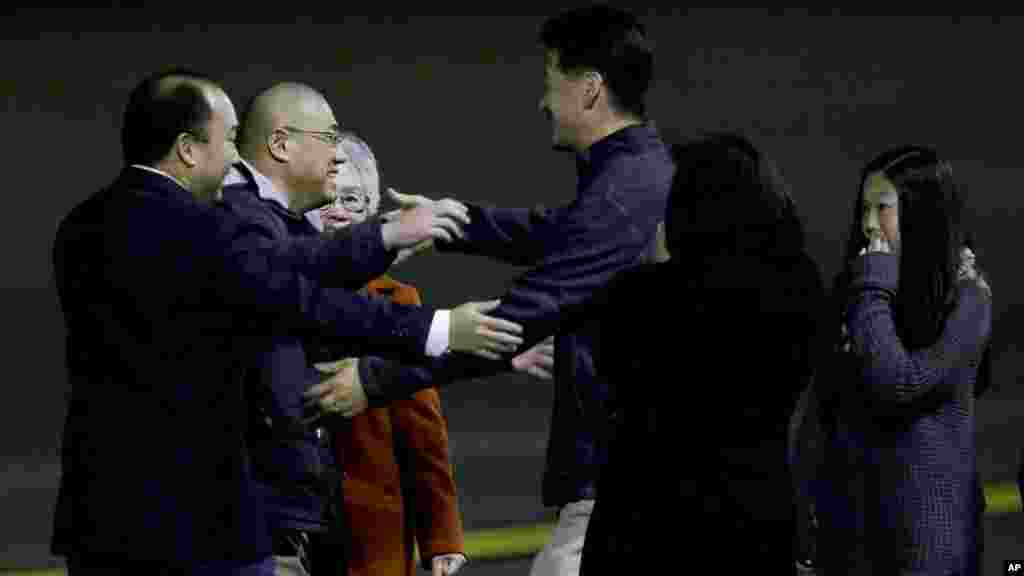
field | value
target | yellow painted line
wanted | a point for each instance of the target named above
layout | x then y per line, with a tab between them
519	541
1002	498
510	542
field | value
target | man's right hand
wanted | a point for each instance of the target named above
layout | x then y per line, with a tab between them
470	330
419	219
340	389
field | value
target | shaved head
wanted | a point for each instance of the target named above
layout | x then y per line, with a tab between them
289	134
284	104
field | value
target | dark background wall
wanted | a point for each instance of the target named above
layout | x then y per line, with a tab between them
448	100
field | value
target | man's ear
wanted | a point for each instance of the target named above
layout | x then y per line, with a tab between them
593	86
185	149
278	145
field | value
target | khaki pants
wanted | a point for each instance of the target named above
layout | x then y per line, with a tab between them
289	566
561	555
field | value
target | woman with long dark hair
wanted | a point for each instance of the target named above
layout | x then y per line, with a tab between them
902	492
704	385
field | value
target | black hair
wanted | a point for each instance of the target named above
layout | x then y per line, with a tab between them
159	111
610	41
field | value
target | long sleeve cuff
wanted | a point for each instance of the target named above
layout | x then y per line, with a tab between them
437	337
875	270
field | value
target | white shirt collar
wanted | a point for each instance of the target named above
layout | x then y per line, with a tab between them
160	172
314	218
267	191
265	188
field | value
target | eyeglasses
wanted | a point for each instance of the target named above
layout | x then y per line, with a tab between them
353	201
332	137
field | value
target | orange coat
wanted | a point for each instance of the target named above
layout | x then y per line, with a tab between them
399	488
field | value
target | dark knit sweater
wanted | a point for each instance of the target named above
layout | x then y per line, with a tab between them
900	459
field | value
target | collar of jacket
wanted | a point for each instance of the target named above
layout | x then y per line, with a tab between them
242	174
633	137
155	181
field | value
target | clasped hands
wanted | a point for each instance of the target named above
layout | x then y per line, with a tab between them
341	391
412	228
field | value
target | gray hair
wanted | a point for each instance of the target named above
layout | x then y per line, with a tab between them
365	163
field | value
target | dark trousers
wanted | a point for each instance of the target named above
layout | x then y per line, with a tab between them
320	552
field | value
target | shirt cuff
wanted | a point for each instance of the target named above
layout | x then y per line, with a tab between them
437	338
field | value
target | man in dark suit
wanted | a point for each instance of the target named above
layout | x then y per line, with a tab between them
161	292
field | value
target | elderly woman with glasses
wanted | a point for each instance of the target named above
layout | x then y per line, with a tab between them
399	489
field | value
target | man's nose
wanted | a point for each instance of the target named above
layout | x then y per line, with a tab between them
871	224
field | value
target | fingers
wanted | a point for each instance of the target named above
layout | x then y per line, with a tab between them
439	233
403	255
538	372
427	244
406	200
499	325
878	244
330	368
447	564
486	306
484	353
334	393
453	209
498	341
315	393
447	223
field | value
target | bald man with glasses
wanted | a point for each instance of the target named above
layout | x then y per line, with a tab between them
290	157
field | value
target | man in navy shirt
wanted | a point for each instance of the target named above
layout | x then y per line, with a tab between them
598	66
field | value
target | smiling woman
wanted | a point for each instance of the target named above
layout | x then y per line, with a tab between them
356	182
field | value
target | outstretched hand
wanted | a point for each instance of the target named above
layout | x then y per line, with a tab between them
472	331
538	361
419	219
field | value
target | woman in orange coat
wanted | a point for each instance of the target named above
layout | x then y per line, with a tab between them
399	488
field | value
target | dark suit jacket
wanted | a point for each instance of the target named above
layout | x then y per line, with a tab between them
292	461
160	294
